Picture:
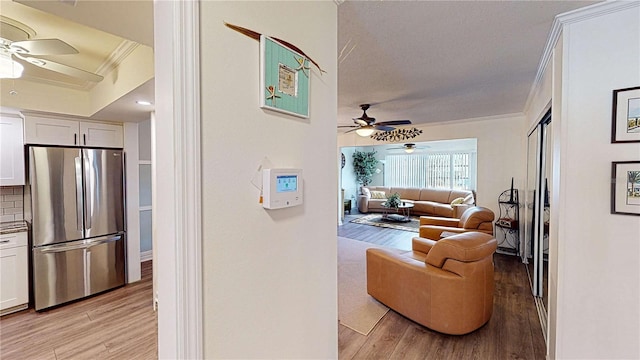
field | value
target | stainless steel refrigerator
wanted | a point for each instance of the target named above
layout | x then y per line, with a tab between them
78	222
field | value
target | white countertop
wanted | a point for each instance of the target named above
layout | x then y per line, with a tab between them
10	227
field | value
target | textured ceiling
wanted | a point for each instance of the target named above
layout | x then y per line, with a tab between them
433	61
427	61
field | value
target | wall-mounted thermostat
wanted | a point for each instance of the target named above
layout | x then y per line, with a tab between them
281	188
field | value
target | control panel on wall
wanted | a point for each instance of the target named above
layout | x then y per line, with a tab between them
281	188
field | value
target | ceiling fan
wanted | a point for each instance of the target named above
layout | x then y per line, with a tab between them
409	148
366	125
15	43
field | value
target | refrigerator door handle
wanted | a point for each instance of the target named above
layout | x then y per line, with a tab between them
101	241
89	189
79	206
76	245
62	248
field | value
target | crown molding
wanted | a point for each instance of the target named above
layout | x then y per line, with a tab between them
571	17
117	57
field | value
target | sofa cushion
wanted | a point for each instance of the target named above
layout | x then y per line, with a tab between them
365	191
457	201
436	195
442	210
407	193
378	194
386	189
424	207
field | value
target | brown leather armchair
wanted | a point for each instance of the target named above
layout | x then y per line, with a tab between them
476	218
445	285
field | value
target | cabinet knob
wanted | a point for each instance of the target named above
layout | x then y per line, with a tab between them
75	139
84	139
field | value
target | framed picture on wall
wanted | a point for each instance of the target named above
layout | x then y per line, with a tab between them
625	126
284	79
625	187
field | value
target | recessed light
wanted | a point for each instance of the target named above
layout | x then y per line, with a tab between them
143	102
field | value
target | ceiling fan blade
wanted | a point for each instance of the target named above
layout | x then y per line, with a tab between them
360	121
352	130
43	47
63	69
395	122
348	126
383	127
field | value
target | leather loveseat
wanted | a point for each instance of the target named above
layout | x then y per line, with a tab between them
476	218
434	202
445	285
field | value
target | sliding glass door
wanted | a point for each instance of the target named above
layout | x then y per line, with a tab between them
535	248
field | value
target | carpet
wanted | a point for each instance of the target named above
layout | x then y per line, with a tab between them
357	310
377	220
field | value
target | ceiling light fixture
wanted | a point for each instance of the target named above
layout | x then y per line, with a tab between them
143	102
409	150
365	131
9	68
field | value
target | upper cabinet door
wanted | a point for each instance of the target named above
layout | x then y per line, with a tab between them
101	135
50	131
11	150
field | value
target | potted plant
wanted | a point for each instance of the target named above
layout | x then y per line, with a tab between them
393	201
364	165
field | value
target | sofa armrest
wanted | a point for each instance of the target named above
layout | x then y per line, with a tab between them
422	245
439	221
363	203
434	232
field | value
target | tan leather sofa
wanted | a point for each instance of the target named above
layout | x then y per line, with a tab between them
436	202
445	285
476	218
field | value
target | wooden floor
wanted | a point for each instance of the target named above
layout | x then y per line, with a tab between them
377	235
119	324
512	333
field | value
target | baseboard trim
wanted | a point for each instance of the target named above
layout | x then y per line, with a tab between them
146	255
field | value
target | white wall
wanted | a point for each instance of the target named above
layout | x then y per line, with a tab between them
598	315
269	276
501	150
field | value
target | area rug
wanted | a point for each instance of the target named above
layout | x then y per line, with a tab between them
377	220
357	310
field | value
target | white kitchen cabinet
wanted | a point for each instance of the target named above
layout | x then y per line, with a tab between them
14	272
44	130
11	150
101	134
50	131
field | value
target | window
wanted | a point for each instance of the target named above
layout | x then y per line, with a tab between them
450	170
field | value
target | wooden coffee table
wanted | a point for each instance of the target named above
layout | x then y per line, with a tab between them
400	214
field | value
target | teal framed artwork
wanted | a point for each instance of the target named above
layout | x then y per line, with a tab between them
284	79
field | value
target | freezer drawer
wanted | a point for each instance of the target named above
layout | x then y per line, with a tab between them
76	269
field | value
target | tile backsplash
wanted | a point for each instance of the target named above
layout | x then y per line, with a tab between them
11	203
